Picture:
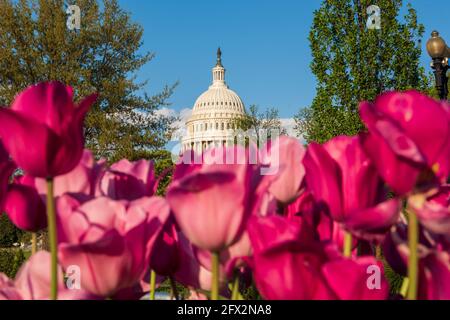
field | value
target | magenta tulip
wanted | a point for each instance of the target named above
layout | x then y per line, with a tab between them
24	206
43	129
7	168
433	211
316	217
409	138
291	266
434	261
165	258
111	241
285	155
337	173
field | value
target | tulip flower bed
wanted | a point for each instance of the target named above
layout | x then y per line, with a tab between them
294	222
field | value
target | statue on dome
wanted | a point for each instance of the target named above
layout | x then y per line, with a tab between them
219	57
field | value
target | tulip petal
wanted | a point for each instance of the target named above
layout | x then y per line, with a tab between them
324	178
25	208
349	279
372	223
21	133
48	103
213	199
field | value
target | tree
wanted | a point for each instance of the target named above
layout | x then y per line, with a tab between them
353	62
102	56
259	124
9	234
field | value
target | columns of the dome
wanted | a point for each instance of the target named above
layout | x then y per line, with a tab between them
219	70
218	75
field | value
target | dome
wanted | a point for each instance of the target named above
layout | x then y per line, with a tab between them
212	122
218	98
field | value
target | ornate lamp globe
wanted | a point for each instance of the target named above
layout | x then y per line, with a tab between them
436	46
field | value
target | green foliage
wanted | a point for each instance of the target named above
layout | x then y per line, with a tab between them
9	234
11	260
251	293
103	56
257	122
353	63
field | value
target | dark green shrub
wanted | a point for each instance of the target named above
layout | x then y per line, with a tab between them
10	261
9	234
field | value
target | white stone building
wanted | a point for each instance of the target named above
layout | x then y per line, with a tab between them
211	123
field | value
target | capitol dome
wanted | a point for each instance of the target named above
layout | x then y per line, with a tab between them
213	114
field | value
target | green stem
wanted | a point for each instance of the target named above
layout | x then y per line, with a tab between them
215	276
378	253
413	240
52	239
348	241
152	284
33	243
404	288
235	288
174	288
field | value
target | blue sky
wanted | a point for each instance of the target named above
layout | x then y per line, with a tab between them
264	44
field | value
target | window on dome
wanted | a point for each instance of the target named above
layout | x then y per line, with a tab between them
217	126
222	126
228	126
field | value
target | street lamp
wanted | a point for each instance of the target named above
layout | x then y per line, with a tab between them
440	53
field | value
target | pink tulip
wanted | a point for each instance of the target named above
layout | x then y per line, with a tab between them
43	129
186	164
433	211
289	265
212	204
111	241
190	272
409	138
209	208
337	173
127	180
32	282
231	259
24	206
285	155
82	181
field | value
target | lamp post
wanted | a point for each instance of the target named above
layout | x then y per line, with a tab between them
440	54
